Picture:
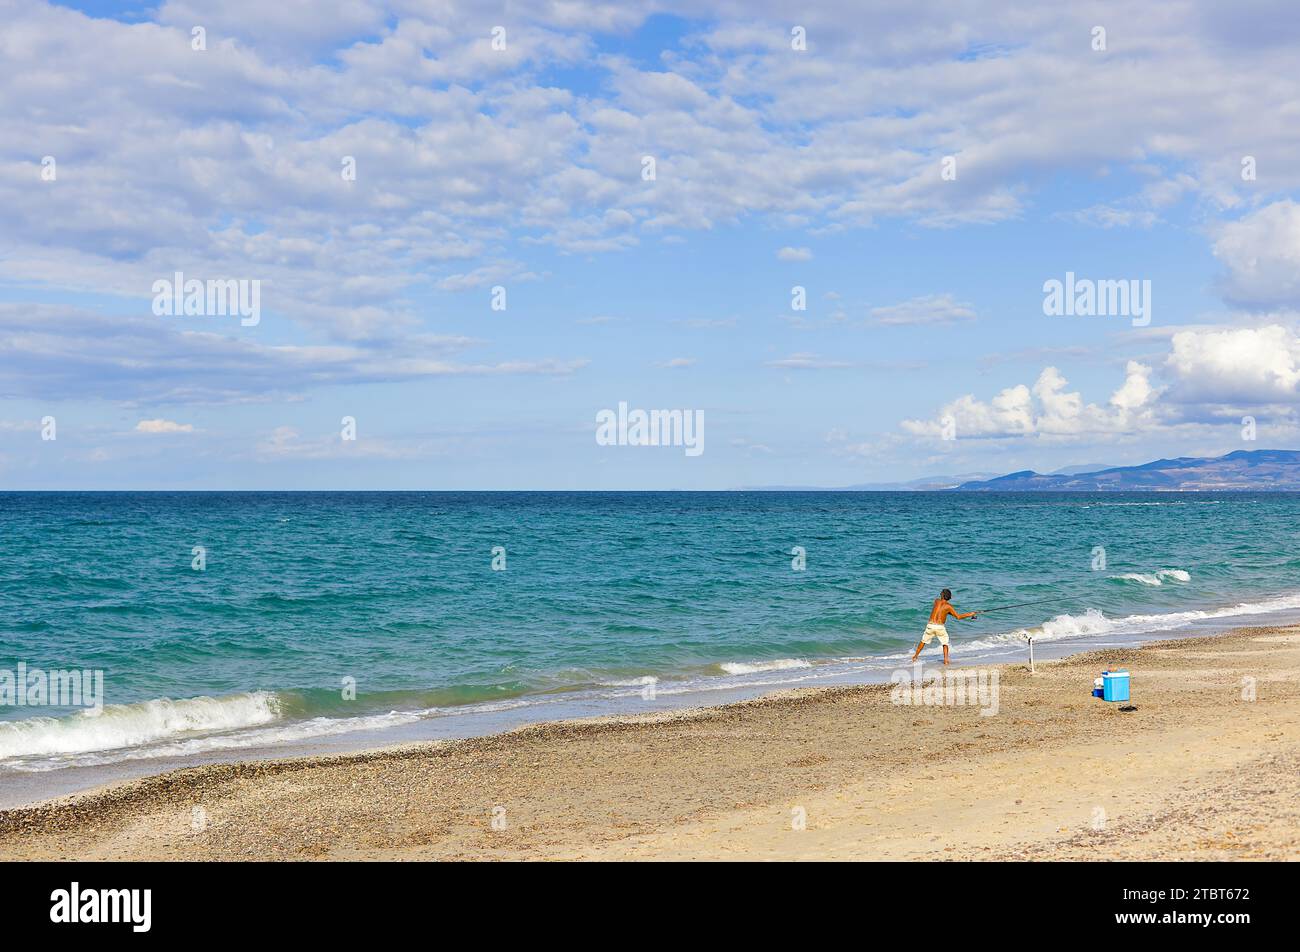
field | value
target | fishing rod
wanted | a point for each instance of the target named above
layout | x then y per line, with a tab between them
978	611
1021	605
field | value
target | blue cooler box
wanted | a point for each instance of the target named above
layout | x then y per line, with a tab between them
1114	686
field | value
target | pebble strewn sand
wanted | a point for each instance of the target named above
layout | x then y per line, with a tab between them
1195	772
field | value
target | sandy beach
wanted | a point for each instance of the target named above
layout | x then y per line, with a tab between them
1196	771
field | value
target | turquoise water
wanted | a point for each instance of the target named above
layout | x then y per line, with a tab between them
603	594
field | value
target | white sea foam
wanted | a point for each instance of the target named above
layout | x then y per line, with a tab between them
631	682
258	737
131	725
755	667
1156	578
220	736
1093	623
1170	502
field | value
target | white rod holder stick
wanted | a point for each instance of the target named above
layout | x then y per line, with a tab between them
1031	655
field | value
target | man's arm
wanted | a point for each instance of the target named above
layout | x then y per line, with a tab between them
956	614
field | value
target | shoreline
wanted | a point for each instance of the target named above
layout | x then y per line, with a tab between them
19	788
722	781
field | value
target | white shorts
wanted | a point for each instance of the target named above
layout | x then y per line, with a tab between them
932	630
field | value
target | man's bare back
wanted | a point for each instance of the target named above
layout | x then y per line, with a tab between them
935	628
942	609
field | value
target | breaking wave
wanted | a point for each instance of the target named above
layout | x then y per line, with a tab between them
132	725
757	667
1092	622
1155	578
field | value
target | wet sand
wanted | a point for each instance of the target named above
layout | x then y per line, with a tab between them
1195	772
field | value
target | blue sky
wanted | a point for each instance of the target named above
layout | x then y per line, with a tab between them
521	168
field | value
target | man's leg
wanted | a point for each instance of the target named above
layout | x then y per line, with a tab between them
945	654
919	646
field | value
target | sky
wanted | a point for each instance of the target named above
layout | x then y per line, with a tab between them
649	188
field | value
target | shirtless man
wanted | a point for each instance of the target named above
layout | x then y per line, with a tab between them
938	614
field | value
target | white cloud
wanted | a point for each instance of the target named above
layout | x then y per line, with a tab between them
485	275
1048	410
163	426
927	309
286	442
1113	216
806	361
227	163
1241	366
286	27
460	148
57	353
1262	254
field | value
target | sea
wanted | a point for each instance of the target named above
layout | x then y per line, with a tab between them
232	626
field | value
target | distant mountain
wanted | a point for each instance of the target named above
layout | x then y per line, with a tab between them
1080	468
924	484
1277	470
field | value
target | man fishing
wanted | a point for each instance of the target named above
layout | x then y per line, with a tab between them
938	615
